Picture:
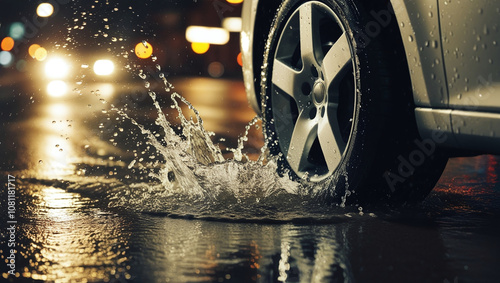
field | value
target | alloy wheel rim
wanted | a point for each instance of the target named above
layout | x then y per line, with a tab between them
313	90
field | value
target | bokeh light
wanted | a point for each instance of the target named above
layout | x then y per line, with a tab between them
7	43
218	36
56	68
6	58
45	10
239	59
21	65
104	67
16	30
32	49
216	69
143	50
232	24
200	47
57	88
41	54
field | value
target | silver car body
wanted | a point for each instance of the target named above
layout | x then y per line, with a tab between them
453	54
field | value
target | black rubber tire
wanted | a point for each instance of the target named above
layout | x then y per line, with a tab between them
384	135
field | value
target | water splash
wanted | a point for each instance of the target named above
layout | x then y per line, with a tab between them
190	177
188	174
195	167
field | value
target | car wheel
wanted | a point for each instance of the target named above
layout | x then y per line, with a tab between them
337	103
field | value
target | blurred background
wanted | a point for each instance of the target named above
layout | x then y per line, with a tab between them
63	40
59	58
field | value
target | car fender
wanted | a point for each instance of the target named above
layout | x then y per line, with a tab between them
249	12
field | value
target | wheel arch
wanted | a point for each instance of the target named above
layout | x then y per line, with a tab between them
419	23
387	105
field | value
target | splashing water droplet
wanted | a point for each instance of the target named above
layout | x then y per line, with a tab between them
142	75
191	164
131	164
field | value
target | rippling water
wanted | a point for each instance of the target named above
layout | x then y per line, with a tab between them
189	177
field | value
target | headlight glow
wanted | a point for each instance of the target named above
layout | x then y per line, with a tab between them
56	68
57	88
232	24
104	67
211	35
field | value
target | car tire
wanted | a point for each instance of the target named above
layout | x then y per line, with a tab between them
337	104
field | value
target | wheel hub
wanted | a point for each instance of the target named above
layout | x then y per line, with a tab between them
319	92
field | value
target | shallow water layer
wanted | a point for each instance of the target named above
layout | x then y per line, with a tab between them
66	236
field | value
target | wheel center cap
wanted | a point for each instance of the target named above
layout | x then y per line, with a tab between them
319	92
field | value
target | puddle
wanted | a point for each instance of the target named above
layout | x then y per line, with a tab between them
175	170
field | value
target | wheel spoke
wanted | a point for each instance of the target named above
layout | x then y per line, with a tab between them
301	141
286	78
309	33
336	61
330	137
309	91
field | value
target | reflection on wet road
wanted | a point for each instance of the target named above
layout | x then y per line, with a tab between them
51	145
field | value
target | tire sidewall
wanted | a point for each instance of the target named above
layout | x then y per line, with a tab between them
383	123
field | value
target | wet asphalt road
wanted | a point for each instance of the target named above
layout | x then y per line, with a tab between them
64	236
